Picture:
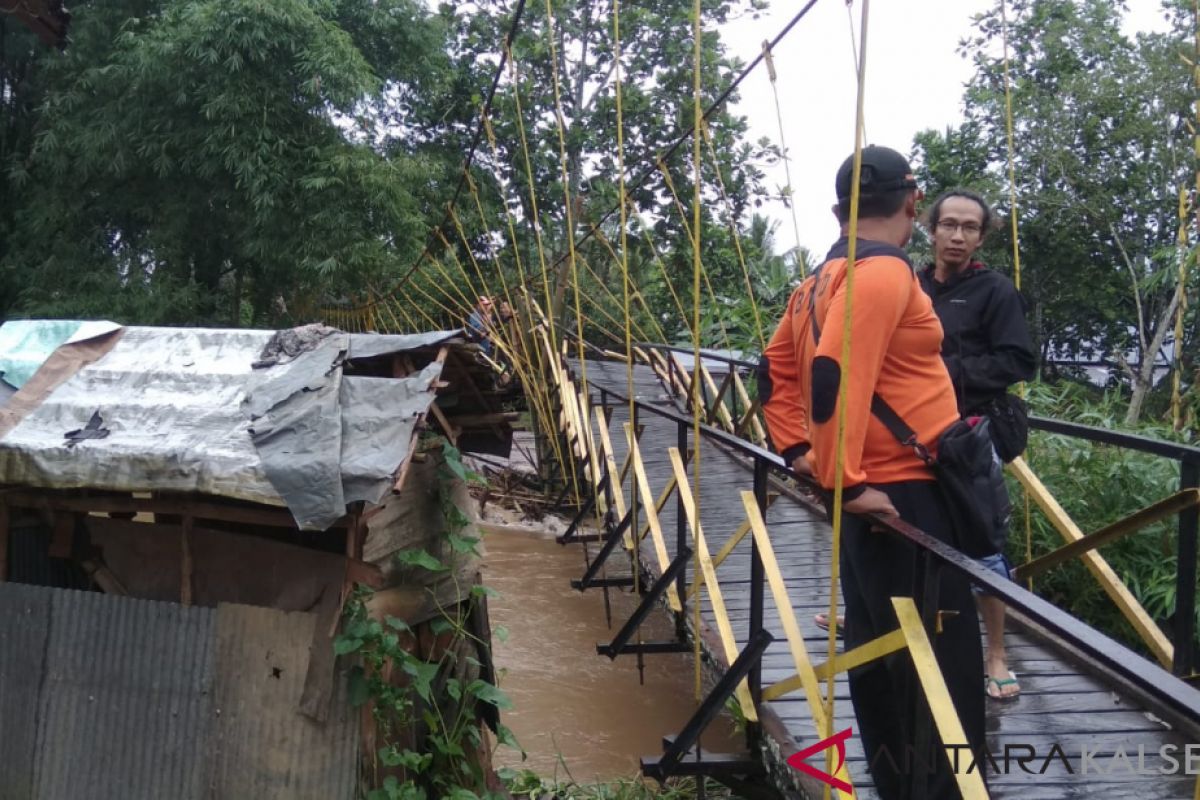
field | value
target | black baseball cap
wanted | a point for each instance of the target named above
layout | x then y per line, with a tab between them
883	170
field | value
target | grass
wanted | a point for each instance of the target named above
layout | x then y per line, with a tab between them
528	785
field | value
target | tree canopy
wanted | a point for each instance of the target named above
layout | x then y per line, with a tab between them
1103	147
216	162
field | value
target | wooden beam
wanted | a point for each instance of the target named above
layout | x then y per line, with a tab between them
651	509
481	420
1126	603
451	431
1167	507
186	566
945	717
715	596
760	435
710	384
266	516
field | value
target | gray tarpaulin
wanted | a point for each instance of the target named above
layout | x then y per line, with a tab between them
365	345
187	412
296	427
376	413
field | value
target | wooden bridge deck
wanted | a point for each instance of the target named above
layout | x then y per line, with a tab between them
1061	702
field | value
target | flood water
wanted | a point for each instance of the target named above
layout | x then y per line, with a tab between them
572	706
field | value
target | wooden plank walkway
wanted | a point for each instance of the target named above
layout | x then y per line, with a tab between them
1061	702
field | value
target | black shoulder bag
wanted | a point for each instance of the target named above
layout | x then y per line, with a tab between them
969	475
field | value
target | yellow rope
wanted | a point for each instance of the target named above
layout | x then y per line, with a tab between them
505	340
662	266
737	238
566	179
1181	291
787	169
854	51
609	292
697	268
600	237
693	237
533	208
844	385
1012	215
1185	262
626	285
542	385
408	327
469	298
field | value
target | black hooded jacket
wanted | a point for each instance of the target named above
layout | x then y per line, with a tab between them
986	346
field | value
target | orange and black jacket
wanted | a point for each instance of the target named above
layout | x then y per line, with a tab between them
895	342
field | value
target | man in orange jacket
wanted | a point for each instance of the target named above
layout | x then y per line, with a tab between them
896	354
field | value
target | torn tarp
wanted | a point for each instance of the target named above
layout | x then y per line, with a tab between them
295	424
186	412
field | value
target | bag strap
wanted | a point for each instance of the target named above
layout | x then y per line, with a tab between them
899	428
879	407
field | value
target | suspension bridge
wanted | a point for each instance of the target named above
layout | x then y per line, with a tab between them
668	457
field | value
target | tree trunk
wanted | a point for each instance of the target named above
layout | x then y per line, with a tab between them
1143	381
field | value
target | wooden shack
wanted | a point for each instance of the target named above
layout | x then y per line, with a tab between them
183	513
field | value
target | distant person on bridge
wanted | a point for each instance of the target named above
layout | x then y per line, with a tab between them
987	348
896	341
479	324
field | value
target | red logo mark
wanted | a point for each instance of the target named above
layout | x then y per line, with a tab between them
838	740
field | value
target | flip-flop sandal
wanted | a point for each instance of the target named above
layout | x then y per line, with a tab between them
822	622
1000	683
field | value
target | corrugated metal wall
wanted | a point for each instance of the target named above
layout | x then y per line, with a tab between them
114	698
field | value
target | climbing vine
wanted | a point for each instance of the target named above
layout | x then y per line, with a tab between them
427	708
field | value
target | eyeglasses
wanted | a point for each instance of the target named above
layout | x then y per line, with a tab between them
968	228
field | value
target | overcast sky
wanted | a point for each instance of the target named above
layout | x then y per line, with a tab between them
914	81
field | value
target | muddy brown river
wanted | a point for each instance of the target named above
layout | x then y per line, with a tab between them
573	709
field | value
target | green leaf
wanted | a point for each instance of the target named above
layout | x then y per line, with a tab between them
489	694
479	590
507	738
500	633
463	544
420	558
343	645
423	676
398	624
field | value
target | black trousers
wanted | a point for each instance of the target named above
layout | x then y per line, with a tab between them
886	693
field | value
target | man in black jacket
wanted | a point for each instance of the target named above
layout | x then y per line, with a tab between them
987	348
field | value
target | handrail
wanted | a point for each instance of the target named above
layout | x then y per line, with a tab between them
1173	694
1188	457
740	362
1178	451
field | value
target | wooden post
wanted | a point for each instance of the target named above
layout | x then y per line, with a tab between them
185	578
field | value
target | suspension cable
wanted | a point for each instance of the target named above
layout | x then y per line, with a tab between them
787	160
1016	243
844	384
737	240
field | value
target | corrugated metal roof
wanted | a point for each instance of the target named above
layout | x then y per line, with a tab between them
186	410
109	697
264	748
125	699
